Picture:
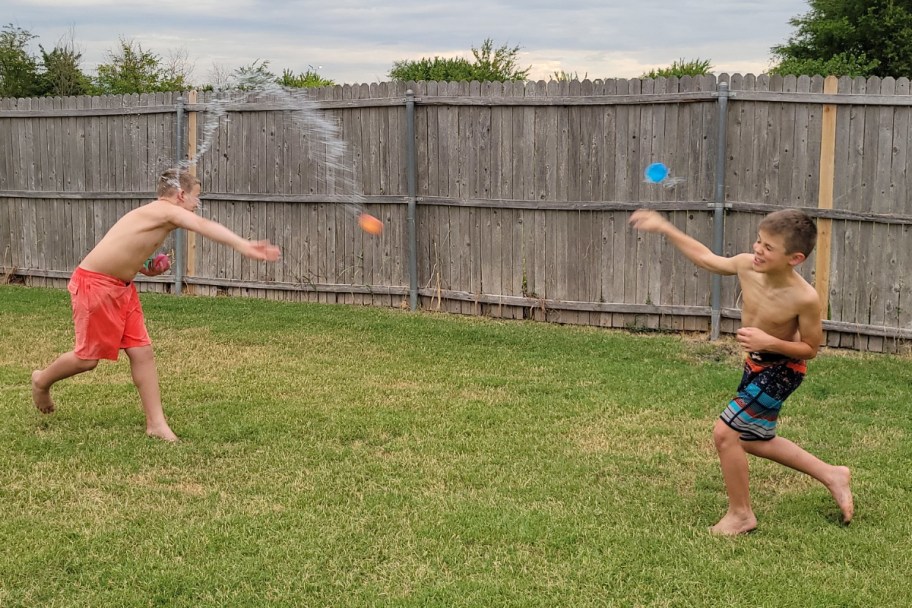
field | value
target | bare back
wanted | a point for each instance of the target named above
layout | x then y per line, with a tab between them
131	240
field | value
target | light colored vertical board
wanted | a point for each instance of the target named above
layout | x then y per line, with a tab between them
825	197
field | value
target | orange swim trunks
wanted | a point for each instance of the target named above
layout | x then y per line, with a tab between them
107	315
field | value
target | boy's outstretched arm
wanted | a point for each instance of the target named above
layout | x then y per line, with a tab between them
258	250
647	220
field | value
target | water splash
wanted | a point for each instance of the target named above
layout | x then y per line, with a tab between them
306	119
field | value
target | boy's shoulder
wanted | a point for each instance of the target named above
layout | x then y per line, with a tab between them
803	295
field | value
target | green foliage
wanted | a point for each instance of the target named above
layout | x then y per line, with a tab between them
500	64
849	38
490	65
440	69
18	69
562	76
61	75
306	80
681	67
256	75
842	64
131	69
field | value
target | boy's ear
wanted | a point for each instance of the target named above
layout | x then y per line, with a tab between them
796	258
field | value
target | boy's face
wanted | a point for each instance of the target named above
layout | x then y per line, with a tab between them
189	200
770	253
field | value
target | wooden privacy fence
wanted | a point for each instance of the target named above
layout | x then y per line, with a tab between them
521	191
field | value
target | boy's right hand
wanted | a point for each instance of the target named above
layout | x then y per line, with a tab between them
262	250
648	220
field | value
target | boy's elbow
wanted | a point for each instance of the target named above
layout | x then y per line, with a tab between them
813	349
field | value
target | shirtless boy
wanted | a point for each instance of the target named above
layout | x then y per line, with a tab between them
106	310
780	331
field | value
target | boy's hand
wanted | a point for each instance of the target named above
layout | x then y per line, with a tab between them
648	220
752	339
262	250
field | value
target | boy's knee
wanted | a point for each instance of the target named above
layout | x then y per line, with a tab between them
724	435
87	365
140	354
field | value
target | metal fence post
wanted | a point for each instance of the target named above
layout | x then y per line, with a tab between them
719	212
411	174
180	237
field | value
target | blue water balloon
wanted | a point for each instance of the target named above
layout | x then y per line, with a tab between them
656	172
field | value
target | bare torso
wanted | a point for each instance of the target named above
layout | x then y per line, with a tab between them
130	241
773	303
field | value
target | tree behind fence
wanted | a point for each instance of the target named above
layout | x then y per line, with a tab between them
524	191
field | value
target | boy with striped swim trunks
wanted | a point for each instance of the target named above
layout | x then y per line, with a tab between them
107	314
780	331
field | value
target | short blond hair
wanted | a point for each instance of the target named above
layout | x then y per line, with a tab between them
172	180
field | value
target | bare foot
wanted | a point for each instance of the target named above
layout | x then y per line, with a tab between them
841	490
41	396
162	432
733	525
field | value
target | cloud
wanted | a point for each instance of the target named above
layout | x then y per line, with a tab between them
358	41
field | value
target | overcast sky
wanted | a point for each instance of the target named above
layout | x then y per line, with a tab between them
357	41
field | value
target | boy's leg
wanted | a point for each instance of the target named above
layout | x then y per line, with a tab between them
837	479
145	377
64	366
740	517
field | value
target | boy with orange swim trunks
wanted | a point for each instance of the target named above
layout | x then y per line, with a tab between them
107	314
780	331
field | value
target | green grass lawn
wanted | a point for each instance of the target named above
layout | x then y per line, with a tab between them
347	456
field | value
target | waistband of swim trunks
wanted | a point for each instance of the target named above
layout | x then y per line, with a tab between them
799	365
100	277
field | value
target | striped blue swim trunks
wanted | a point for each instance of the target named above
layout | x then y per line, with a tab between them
763	388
